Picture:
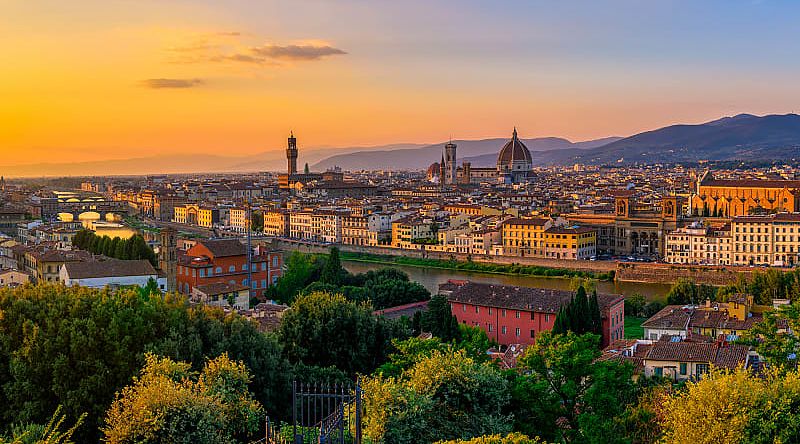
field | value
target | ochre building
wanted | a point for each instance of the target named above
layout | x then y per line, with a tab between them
731	198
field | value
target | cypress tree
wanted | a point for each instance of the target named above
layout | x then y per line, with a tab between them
581	318
332	272
594	311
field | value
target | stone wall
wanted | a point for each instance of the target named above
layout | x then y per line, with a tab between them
670	273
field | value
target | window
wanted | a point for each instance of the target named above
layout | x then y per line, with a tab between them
210	272
244	267
517	331
517	316
659	371
504	312
275	261
490	328
547	318
232	269
683	368
202	272
533	334
477	309
218	270
263	283
503	330
464	307
490	310
701	369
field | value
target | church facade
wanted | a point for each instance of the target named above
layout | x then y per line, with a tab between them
732	198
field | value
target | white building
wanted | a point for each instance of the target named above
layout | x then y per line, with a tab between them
697	244
112	273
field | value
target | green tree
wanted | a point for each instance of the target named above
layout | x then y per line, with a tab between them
169	403
332	272
324	330
685	292
446	395
775	337
257	221
301	270
565	393
77	346
634	305
438	319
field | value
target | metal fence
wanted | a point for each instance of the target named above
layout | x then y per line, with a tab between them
321	414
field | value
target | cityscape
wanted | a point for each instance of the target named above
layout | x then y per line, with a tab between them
513	268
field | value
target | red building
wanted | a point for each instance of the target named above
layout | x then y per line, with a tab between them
517	315
225	261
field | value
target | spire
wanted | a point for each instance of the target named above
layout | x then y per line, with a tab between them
515	133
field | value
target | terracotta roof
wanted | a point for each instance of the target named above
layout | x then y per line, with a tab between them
541	300
721	354
224	247
109	268
218	288
402	310
669	317
751	183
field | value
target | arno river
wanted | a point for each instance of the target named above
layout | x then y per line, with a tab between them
431	278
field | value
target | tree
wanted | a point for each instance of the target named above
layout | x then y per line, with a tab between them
301	270
732	407
325	330
438	319
634	305
50	433
565	393
775	337
77	346
687	292
170	403
332	271
579	315
257	221
445	395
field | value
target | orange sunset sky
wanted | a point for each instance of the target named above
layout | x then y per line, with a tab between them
90	79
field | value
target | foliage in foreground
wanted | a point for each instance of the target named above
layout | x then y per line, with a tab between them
511	438
734	407
76	347
169	403
328	330
446	395
50	433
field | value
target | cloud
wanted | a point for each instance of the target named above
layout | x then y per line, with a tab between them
296	52
172	83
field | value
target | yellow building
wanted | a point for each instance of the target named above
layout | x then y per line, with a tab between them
525	236
579	243
194	214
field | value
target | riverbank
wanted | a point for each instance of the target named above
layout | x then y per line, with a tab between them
479	267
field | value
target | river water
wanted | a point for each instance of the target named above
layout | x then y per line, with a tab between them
430	278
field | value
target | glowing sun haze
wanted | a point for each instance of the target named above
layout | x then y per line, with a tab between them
105	79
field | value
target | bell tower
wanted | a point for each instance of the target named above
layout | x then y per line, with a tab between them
291	154
450	158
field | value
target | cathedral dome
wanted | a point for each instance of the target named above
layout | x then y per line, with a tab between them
514	156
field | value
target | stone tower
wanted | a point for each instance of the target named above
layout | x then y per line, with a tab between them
450	160
168	256
291	154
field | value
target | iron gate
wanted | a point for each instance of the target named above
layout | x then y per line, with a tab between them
321	414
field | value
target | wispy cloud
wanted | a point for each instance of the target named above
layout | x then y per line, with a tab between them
238	47
296	52
171	83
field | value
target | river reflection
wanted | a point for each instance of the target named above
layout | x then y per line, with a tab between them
432	277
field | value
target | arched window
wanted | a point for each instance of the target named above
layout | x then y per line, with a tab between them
232	269
218	270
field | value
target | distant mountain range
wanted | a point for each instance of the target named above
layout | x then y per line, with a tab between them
743	137
480	152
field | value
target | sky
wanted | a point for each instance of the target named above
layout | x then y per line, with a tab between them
114	79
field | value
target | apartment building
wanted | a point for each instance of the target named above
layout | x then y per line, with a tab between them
276	223
697	244
525	236
577	243
766	240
